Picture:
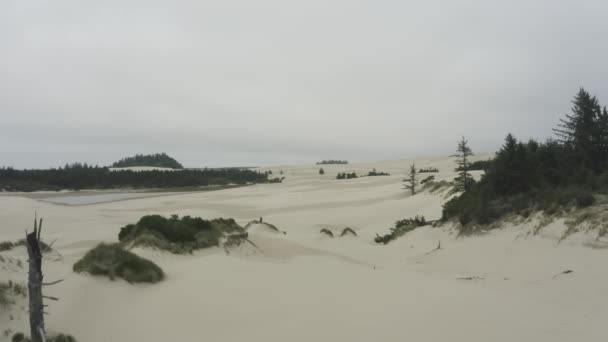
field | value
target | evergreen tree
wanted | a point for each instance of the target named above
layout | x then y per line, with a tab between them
321	171
582	130
411	183
463	152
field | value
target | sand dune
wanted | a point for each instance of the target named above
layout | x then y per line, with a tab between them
300	286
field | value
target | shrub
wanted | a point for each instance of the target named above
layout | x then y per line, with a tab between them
347	231
6	245
428	170
327	232
373	173
20	337
62	338
401	227
346	175
178	235
112	260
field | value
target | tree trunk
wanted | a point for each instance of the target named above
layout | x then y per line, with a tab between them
34	286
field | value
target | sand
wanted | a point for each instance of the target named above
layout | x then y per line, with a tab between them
304	286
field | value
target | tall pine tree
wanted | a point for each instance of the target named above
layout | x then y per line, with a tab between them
463	152
582	130
411	182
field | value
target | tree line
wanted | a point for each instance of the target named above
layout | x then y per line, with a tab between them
156	160
82	176
563	171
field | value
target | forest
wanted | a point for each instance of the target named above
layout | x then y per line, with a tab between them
82	176
156	160
567	171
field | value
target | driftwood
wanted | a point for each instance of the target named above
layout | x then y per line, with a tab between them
37	331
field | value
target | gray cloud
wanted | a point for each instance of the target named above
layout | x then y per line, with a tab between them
262	82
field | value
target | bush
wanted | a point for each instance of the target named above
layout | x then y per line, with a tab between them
61	338
6	245
327	232
178	235
20	337
428	170
112	260
401	227
346	175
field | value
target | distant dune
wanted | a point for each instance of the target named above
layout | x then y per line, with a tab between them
505	285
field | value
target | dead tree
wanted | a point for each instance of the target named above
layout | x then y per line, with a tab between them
34	286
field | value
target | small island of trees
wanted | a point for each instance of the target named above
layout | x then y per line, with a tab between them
156	160
332	161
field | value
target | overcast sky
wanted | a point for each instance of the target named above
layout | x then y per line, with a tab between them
258	82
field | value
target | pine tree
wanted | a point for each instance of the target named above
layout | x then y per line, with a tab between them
411	183
582	129
463	152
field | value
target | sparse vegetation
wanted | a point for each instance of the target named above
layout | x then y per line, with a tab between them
178	235
20	337
480	165
374	173
346	175
428	170
6	246
332	161
426	180
411	182
156	160
113	261
327	232
348	231
401	227
9	290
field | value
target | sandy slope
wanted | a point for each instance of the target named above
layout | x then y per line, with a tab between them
302	286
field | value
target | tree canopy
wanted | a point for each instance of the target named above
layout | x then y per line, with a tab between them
157	160
527	176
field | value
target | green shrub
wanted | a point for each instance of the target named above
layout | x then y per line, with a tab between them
6	245
178	235
61	338
20	337
112	260
401	227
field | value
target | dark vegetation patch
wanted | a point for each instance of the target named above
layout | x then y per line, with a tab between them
373	173
179	235
20	337
480	165
348	231
82	176
9	290
428	170
156	160
401	227
332	161
346	175
115	262
554	177
327	232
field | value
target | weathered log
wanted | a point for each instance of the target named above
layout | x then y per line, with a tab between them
36	306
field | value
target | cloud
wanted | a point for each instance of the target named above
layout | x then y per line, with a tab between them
241	82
